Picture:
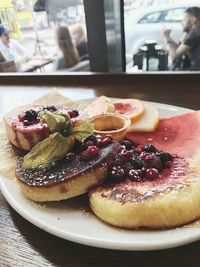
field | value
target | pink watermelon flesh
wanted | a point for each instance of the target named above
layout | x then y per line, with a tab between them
177	135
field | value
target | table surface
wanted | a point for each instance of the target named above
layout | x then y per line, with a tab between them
23	244
35	64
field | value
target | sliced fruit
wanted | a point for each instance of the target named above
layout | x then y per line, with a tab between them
149	120
131	108
100	106
179	134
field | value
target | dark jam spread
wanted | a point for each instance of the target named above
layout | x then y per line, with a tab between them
70	167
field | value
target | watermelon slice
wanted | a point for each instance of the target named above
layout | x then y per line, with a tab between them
179	134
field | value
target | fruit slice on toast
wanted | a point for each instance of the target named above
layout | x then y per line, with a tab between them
172	198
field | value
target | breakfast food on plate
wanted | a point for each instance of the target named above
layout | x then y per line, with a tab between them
154	189
143	116
101	105
148	122
131	108
74	175
26	127
111	124
149	177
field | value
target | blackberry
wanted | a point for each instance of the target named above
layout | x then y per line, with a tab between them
79	147
135	175
127	144
127	167
150	148
125	154
137	163
91	138
164	156
30	115
152	161
151	173
50	108
117	173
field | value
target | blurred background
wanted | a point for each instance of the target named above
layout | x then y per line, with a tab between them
131	27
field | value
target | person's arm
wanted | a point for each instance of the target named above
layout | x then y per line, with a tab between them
175	51
21	52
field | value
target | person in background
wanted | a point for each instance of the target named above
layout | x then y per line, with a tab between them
68	56
190	45
11	49
80	40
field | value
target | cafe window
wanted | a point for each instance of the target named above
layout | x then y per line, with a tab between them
120	34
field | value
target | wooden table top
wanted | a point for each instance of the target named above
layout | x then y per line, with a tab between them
23	244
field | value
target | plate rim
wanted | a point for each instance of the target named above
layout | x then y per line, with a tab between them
193	233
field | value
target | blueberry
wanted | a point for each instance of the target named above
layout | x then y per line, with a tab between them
91	138
30	115
150	148
136	163
127	144
117	173
164	156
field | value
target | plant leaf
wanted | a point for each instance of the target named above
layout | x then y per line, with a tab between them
83	130
47	151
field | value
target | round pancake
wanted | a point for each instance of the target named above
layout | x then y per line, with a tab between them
172	200
65	179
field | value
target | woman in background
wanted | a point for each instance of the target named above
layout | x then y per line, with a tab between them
80	40
69	54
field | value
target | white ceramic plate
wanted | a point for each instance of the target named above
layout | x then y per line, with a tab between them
72	220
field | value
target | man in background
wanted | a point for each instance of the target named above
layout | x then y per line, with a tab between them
190	45
11	49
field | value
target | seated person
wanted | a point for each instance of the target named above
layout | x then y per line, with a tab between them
11	49
80	40
190	45
68	56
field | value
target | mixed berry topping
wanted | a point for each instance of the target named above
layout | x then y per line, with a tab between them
135	163
32	116
138	163
28	117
